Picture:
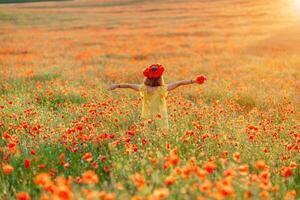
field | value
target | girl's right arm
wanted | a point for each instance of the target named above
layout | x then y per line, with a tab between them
135	87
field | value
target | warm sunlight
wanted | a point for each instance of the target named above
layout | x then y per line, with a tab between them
149	99
297	3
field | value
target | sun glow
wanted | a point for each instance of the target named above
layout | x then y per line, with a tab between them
297	3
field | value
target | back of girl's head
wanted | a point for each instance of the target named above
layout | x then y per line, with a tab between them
153	75
154	82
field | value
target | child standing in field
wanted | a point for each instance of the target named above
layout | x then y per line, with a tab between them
154	92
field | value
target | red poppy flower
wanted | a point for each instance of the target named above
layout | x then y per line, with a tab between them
154	71
23	196
62	156
87	157
26	163
236	156
11	145
138	180
200	79
7	169
170	180
286	172
33	152
293	165
42	166
210	167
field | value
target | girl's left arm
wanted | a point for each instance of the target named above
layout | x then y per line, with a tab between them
175	85
135	87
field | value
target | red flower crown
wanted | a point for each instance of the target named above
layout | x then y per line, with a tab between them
154	71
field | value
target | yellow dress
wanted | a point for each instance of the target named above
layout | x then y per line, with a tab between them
154	105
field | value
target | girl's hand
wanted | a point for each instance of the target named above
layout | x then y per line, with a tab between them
112	87
200	79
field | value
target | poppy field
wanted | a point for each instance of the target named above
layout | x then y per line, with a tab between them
65	136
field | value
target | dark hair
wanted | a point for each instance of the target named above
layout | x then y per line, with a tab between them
153	82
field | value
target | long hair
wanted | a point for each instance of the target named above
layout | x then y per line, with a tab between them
154	82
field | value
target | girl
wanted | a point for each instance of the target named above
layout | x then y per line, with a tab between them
154	92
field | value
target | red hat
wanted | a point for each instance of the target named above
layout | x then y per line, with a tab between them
154	71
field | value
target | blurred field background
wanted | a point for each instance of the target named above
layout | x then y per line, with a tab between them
57	59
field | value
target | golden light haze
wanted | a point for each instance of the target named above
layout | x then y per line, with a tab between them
65	136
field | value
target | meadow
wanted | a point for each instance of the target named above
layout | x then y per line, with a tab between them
64	136
23	1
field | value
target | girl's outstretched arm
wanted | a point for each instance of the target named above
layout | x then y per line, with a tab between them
135	87
172	86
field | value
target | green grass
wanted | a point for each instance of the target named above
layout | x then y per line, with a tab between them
57	100
44	77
